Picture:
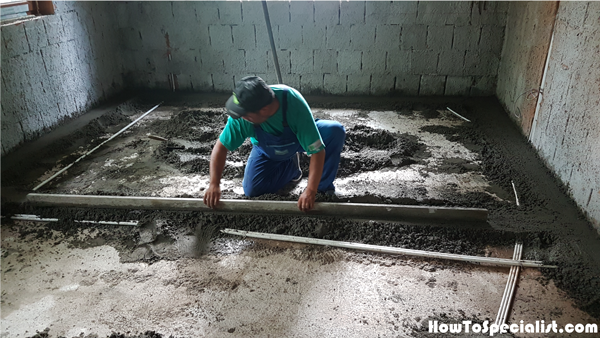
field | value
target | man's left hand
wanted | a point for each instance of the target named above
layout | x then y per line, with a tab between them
307	200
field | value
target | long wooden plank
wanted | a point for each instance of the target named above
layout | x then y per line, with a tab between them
347	210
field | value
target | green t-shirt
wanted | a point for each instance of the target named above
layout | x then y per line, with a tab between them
299	118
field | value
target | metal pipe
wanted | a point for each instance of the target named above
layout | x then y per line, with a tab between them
515	191
33	219
36	218
348	210
390	250
513	286
134	223
455	113
511	279
98	146
509	290
273	50
504	294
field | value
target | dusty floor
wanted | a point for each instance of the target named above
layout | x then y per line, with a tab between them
398	151
252	288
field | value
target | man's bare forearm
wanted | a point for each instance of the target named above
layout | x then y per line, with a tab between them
307	199
217	163
315	170
212	195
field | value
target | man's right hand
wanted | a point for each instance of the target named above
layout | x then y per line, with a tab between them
212	196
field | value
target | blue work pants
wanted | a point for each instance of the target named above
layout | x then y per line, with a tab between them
264	175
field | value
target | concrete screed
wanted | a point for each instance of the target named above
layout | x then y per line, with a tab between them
262	289
80	284
387	183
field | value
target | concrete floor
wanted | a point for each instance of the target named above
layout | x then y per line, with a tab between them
244	288
139	171
79	285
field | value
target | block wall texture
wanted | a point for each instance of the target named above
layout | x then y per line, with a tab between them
528	34
345	48
566	128
55	67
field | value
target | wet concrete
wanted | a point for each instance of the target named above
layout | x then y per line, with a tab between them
399	151
242	288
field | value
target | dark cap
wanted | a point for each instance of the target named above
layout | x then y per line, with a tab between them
250	95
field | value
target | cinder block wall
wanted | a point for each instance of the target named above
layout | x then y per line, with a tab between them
55	67
528	34
58	66
566	127
356	47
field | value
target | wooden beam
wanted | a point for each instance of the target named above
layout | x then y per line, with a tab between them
345	210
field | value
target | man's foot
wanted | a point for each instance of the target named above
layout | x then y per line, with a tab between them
296	160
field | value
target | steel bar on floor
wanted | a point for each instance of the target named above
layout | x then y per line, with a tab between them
509	290
346	210
457	114
98	146
515	191
391	250
36	218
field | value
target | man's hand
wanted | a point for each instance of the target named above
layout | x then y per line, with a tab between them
212	196
307	200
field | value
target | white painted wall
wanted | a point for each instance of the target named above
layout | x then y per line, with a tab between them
55	67
566	126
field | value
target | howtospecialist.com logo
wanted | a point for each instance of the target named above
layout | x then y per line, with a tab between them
540	326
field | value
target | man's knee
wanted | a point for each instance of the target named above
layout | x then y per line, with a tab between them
339	132
337	136
333	131
251	191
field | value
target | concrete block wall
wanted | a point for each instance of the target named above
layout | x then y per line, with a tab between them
566	127
55	67
528	34
335	47
563	124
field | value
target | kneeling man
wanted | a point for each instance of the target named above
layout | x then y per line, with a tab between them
280	125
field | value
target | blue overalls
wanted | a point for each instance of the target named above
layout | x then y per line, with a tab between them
271	163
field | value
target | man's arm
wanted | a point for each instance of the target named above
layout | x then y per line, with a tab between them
307	200
212	195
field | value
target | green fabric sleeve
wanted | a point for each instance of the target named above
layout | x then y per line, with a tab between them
236	131
302	123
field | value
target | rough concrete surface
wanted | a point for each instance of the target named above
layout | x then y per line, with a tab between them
566	129
55	67
528	35
247	288
378	42
552	90
398	151
58	66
